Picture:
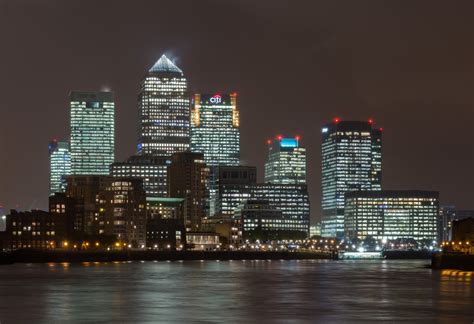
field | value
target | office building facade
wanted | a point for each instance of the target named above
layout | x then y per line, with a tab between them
351	161
391	215
59	165
152	170
286	161
228	175
164	112
260	221
291	200
215	128
92	132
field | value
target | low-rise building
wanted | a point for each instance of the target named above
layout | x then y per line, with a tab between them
37	229
391	215
202	241
261	221
165	233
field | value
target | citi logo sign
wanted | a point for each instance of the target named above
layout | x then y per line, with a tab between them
216	99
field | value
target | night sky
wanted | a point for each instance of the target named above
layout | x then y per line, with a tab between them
294	64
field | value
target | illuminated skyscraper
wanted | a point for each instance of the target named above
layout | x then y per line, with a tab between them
59	165
215	129
92	132
351	161
163	110
286	161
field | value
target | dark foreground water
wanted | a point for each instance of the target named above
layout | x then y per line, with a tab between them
235	291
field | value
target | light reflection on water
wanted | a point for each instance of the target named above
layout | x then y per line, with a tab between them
251	291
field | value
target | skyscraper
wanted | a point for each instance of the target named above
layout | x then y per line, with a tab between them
92	132
163	110
351	161
59	165
286	161
215	128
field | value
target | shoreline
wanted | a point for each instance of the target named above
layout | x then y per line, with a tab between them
61	256
36	256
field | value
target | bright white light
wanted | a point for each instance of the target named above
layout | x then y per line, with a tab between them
361	249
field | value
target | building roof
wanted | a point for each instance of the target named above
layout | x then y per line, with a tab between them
392	194
164	64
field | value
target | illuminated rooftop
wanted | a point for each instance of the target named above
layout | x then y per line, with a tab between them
164	64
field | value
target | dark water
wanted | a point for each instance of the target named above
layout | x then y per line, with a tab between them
236	291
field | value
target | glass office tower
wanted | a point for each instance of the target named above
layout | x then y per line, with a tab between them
59	165
286	161
92	132
351	161
215	128
164	110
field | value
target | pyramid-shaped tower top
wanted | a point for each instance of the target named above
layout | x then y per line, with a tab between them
164	64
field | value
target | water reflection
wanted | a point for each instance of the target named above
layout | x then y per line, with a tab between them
229	291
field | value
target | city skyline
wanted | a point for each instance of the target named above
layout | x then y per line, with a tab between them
426	168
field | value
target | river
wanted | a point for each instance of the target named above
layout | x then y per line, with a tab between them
305	291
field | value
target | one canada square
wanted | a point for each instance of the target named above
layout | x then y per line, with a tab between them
163	110
351	161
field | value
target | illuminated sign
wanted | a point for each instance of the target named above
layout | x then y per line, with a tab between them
215	99
288	142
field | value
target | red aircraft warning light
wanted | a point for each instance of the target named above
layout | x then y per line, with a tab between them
371	121
269	142
336	120
279	137
297	137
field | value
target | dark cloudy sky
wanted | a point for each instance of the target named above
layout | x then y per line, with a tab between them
295	65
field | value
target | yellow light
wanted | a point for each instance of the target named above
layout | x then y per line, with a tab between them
96	243
117	244
65	243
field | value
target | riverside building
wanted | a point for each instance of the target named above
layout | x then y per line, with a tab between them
351	161
392	214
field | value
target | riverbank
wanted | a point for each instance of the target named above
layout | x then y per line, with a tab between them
37	256
453	261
